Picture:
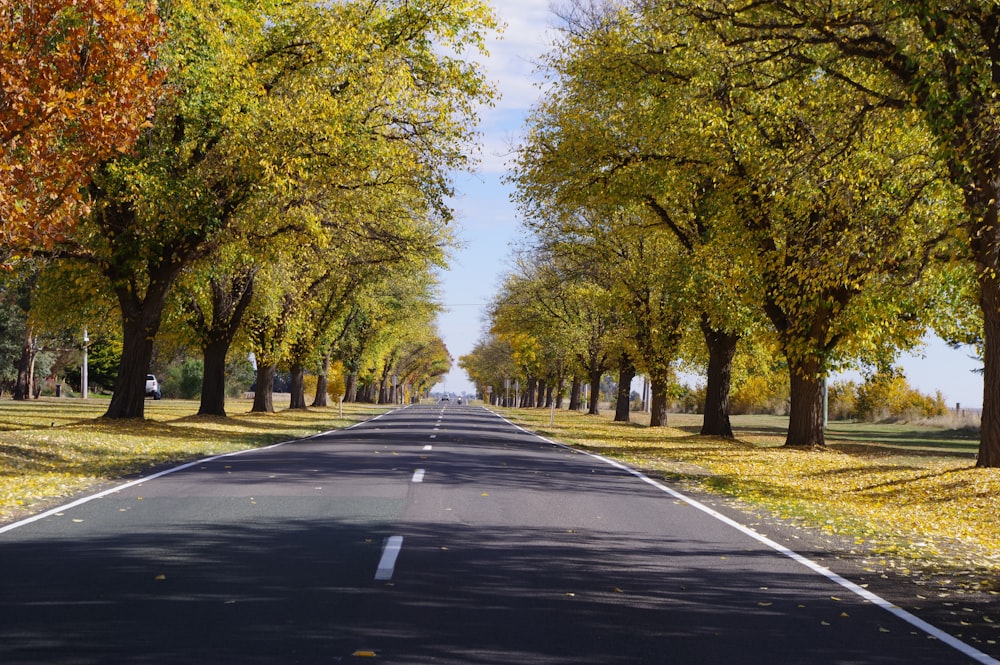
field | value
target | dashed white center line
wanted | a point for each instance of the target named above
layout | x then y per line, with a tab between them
434	436
418	476
428	447
387	564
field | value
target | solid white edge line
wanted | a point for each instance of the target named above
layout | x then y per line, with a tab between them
387	564
125	486
913	620
166	472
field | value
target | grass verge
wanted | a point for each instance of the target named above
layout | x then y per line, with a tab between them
54	448
902	498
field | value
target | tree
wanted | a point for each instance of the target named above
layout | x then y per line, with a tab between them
275	112
941	61
490	366
832	200
615	133
77	83
548	310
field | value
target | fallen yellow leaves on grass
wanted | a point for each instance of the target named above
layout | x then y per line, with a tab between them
53	448
901	508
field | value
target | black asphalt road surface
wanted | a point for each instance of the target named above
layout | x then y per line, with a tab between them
434	534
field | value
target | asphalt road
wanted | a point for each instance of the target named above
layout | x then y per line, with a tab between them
429	535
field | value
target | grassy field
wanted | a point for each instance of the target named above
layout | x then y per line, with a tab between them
905	498
52	448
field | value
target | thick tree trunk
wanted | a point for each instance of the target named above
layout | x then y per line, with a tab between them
263	396
721	351
230	298
805	422
351	387
139	329
528	396
660	403
25	365
989	435
623	405
575	394
298	391
593	407
213	384
540	399
323	383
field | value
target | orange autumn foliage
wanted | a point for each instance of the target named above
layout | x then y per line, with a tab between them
78	81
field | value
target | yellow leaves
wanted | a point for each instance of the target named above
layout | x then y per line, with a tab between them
38	461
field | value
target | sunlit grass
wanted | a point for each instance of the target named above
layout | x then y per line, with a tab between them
52	448
905	495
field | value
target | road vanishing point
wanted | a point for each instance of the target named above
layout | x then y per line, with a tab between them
431	534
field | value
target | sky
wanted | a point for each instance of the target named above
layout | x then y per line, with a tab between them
488	226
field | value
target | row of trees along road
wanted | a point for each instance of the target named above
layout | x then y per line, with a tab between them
285	191
820	178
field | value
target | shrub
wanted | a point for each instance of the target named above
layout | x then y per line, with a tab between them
691	400
760	393
184	380
842	400
888	396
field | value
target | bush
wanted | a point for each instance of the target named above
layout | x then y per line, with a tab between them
240	377
759	394
691	400
888	396
183	381
842	400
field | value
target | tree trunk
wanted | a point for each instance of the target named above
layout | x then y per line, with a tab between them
989	434
805	423
626	372
721	351
213	384
263	396
323	383
351	387
595	392
298	392
528	396
660	402
540	399
140	326
575	394
230	298
22	388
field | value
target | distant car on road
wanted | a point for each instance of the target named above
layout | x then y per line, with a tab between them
153	387
444	399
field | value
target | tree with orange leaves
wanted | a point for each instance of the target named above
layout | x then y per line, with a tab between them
78	79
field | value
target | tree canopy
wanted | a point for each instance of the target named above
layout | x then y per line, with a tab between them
78	81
